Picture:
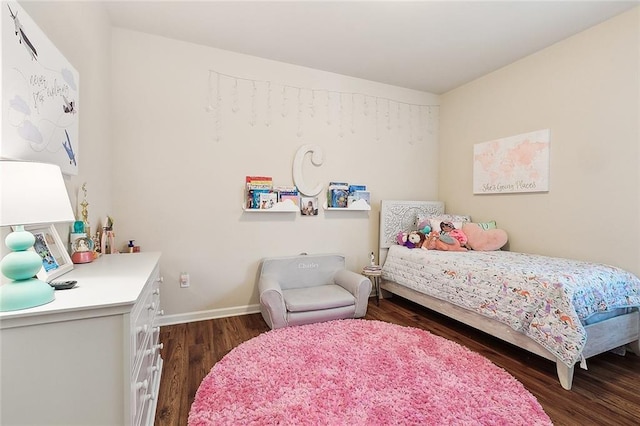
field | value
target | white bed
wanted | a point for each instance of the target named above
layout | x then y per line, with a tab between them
436	280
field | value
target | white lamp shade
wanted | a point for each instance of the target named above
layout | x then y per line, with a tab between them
32	193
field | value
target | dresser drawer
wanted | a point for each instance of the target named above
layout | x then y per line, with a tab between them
148	416
141	385
143	315
153	308
145	384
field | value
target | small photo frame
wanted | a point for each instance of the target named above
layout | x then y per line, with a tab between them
309	206
55	258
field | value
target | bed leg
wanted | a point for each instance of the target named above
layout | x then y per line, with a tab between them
634	347
565	374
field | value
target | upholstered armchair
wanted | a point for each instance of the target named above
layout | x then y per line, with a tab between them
305	289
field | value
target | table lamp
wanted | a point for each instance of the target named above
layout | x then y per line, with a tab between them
30	193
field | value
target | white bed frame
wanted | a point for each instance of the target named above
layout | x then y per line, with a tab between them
612	333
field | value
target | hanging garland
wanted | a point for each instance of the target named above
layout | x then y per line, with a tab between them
404	111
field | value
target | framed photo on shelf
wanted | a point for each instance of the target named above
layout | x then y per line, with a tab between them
55	258
309	206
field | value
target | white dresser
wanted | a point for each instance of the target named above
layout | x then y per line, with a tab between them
90	357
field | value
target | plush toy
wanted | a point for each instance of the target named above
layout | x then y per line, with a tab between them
401	238
425	230
459	235
437	241
415	239
484	239
449	239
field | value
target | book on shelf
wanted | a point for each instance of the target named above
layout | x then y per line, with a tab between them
295	198
354	188
337	193
339	185
254	197
338	198
287	193
259	182
252	178
268	200
286	189
254	187
358	195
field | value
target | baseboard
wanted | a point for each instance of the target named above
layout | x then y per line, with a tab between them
207	315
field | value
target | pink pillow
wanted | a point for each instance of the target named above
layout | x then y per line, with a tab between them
484	239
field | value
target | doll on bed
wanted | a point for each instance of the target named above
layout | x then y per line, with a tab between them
448	239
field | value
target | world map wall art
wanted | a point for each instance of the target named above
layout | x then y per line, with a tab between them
39	95
513	164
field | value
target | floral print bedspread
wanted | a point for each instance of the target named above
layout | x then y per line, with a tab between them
546	298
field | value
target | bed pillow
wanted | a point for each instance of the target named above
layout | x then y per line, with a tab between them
430	220
484	239
487	225
435	224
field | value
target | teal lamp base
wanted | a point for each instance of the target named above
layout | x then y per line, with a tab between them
25	294
21	266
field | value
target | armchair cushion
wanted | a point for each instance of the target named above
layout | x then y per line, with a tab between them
314	298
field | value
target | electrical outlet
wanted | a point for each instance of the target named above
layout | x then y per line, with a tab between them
184	280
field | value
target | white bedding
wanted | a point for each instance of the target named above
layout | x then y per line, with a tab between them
546	298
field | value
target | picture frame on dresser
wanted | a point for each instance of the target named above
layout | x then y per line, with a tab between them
55	258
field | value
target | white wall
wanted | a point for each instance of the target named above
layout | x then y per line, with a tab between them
179	191
84	40
586	89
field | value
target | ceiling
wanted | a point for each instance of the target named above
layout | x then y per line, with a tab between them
432	46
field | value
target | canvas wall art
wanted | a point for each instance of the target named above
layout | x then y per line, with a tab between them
39	95
513	164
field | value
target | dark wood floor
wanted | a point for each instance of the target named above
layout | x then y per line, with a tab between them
607	394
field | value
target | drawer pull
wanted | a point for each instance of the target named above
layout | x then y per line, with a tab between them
142	329
161	312
143	385
156	291
152	306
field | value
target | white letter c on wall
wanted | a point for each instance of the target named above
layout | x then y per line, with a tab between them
298	179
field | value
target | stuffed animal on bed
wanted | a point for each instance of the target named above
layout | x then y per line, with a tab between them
448	239
424	229
401	238
413	239
437	241
448	229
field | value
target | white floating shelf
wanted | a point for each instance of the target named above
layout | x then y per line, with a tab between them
286	206
359	205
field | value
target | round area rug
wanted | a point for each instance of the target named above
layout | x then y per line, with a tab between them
359	372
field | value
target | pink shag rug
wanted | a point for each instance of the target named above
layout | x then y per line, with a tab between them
359	372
